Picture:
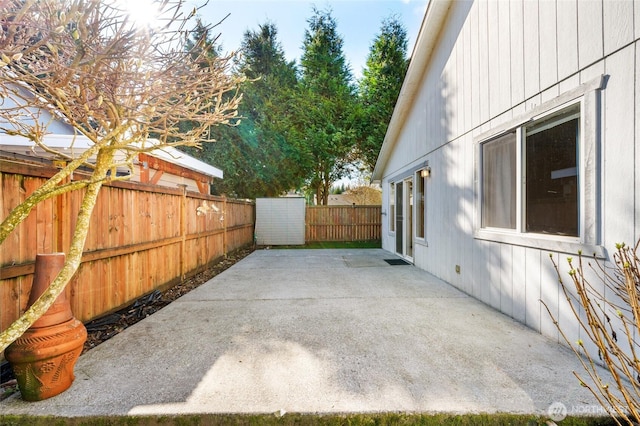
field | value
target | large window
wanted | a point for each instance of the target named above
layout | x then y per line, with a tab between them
499	182
538	181
530	176
551	174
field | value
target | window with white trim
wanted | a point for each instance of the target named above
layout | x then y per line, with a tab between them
538	175
530	180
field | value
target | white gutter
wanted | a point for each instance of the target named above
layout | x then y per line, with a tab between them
432	25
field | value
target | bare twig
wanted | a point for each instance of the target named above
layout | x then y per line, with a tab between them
88	64
616	344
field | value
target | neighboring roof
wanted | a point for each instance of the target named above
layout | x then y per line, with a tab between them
340	200
175	156
62	138
429	34
75	145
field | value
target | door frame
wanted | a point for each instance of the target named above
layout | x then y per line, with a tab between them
404	218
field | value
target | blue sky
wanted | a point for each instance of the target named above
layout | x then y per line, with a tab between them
358	22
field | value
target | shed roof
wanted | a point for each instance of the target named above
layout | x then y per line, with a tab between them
428	36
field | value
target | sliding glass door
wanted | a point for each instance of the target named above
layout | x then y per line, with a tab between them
404	218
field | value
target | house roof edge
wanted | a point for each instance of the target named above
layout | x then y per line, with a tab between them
430	29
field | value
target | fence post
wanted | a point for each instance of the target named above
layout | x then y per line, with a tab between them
224	226
62	232
352	228
183	232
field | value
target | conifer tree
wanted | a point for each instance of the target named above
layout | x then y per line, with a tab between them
324	110
256	156
380	86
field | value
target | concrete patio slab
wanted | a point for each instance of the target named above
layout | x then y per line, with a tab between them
321	331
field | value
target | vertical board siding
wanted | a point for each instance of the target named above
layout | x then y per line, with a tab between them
516	35
504	55
567	37
483	62
280	221
530	49
493	62
532	291
618	24
343	223
137	240
590	30
506	279
518	264
548	51
550	294
474	66
617	151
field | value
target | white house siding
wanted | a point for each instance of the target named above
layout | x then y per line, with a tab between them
494	61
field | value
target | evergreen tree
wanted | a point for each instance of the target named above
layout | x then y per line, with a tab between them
323	111
266	100
380	86
202	42
255	156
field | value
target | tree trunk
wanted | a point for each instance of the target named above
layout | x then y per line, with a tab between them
326	186
318	194
19	326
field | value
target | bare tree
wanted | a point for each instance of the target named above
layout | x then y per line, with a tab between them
607	307
89	64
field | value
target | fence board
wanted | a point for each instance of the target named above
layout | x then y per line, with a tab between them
343	223
141	238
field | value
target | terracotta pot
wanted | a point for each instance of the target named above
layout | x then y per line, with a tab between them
44	356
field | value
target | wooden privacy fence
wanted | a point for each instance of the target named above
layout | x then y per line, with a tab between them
141	238
343	223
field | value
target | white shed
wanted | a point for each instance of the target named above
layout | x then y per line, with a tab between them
513	139
280	221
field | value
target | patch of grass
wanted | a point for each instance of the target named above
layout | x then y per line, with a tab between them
367	419
335	245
